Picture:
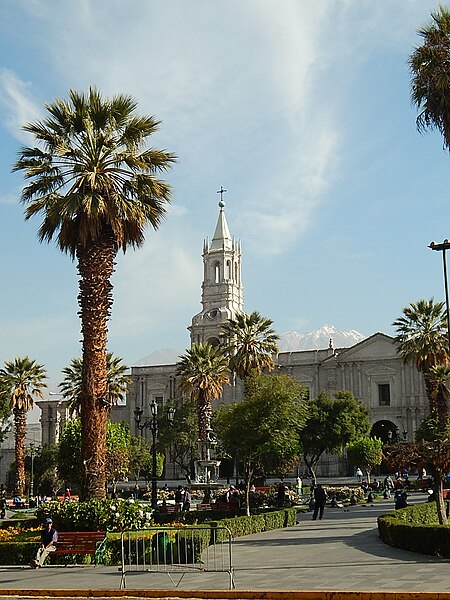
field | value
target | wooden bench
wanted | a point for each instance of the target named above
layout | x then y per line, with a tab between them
171	508
218	506
71	543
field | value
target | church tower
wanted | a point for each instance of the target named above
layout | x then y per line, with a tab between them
222	292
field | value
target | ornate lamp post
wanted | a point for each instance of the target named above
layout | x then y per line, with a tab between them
32	451
152	424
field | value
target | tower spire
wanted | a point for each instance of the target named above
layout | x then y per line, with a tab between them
222	292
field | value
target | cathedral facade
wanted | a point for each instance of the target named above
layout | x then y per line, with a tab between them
394	393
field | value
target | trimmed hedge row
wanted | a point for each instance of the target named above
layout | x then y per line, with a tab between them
416	528
19	553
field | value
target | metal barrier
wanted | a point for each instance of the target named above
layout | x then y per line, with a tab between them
177	550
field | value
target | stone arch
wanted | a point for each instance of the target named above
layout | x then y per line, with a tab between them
214	341
385	430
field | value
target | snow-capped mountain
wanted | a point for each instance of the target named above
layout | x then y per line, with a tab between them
165	356
315	340
291	341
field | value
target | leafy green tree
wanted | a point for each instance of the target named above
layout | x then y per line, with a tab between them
203	371
181	438
71	385
422	339
250	342
118	449
95	183
46	477
141	459
264	429
433	449
365	453
21	379
430	75
331	423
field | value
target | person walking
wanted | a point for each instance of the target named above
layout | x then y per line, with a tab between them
186	499
49	541
320	497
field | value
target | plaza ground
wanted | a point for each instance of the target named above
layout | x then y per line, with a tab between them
341	552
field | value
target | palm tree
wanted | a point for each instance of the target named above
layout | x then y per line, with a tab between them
95	184
250	343
430	70
22	379
71	385
203	372
422	338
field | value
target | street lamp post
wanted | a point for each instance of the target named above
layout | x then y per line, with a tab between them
152	424
32	451
442	248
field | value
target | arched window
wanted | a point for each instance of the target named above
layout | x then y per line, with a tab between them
217	272
213	341
228	270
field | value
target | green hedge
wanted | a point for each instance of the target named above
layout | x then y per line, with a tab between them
17	553
416	528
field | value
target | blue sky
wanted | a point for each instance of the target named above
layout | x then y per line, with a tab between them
300	109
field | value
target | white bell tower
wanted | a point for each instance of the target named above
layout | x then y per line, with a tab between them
222	292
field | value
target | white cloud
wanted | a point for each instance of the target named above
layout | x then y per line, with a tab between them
152	283
17	108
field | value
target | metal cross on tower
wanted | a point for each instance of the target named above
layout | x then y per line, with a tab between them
221	192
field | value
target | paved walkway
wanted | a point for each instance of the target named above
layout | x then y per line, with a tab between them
341	552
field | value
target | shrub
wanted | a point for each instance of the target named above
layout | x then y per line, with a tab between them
17	553
96	515
416	528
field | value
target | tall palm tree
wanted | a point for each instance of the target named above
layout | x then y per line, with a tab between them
203	372
22	378
422	339
117	379
250	343
430	75
95	183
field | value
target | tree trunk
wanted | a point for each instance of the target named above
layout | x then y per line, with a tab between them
440	505
204	420
95	266
20	431
248	481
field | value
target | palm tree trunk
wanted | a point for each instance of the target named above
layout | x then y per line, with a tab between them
20	431
204	419
95	266
430	387
440	506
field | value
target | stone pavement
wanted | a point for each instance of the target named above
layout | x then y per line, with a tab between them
341	552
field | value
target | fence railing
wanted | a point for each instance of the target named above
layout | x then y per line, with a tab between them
177	550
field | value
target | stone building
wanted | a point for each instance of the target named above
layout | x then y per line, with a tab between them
393	392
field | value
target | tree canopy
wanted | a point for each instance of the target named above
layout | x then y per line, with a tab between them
264	428
22	379
71	385
94	181
331	423
430	75
250	342
366	453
